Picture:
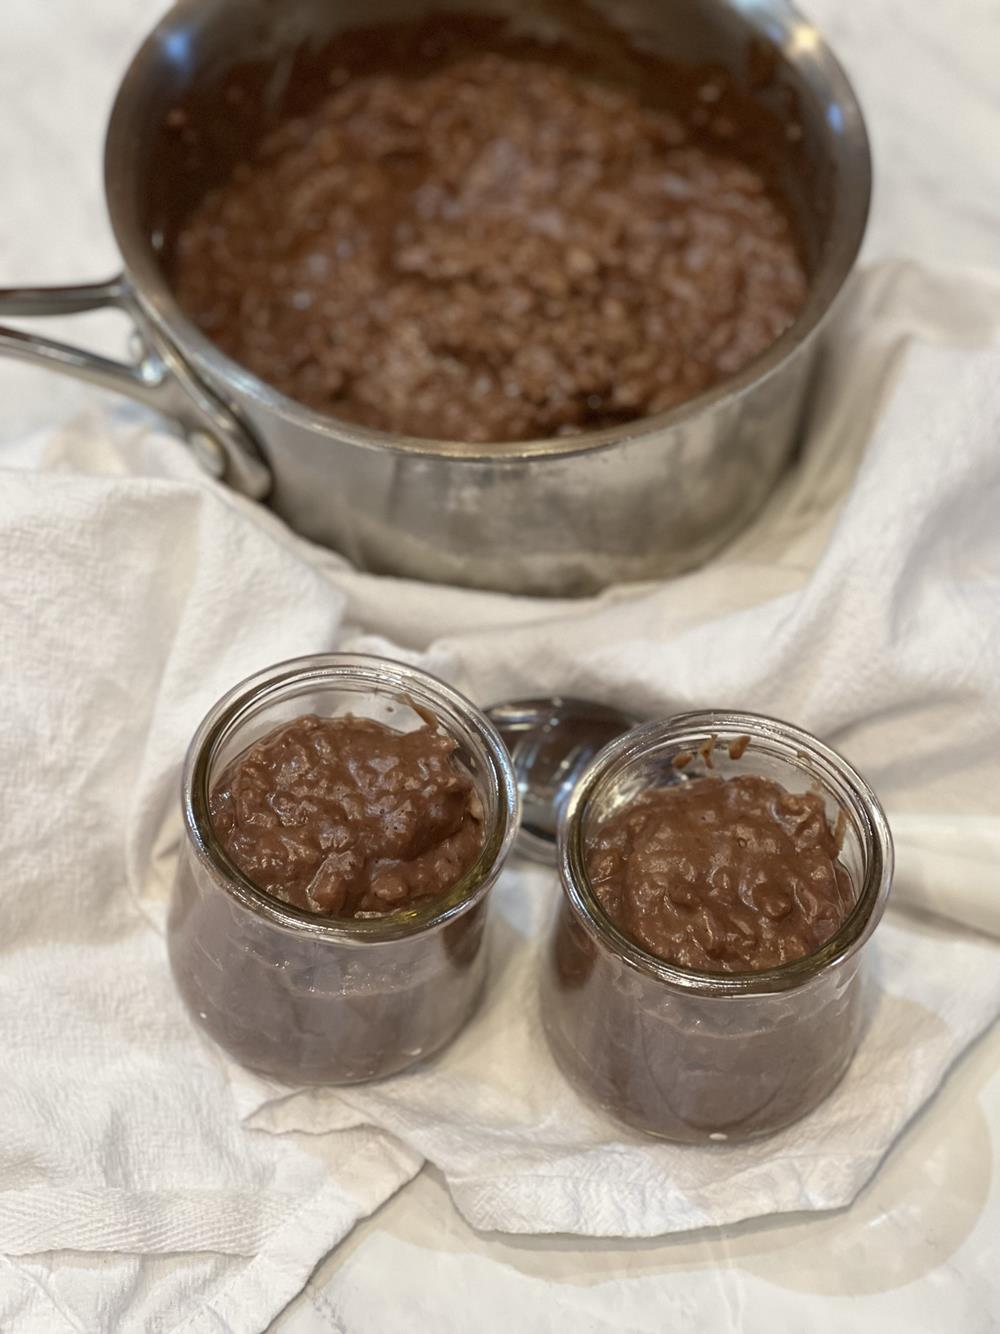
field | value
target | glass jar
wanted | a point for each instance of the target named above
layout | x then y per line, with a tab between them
305	998
693	1056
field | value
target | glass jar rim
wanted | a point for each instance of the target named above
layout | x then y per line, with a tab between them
329	669
688	729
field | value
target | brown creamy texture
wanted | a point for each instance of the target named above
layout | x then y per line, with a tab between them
722	875
494	249
347	817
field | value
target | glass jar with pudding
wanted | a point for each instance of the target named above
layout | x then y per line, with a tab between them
722	876
345	817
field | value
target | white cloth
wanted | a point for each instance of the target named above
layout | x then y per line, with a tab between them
865	604
119	1135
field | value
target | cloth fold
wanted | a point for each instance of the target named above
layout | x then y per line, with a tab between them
863	604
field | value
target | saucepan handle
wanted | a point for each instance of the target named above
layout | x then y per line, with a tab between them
159	377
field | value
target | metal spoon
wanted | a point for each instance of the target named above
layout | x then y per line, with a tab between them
551	741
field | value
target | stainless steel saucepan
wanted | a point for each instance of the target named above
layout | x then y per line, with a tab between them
564	516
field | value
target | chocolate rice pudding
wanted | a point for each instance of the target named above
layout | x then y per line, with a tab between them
722	875
348	817
493	245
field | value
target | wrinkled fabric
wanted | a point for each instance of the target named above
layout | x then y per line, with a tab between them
864	604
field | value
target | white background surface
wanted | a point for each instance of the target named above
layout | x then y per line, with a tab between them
919	1250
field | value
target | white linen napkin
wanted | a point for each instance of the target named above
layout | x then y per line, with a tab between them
128	604
864	604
